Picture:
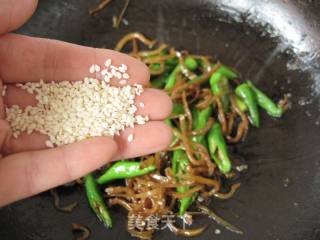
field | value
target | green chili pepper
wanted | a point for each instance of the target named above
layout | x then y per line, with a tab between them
124	169
176	160
265	102
171	80
172	61
169	64
218	148
154	66
168	122
177	109
180	163
190	63
227	72
200	120
95	201
180	159
241	105
160	81
220	87
247	95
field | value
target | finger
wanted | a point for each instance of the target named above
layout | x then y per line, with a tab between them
26	142
5	135
155	103
17	96
53	60
15	13
149	138
29	173
2	108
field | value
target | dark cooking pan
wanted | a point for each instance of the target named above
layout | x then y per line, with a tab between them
275	44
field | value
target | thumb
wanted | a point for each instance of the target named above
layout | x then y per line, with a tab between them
29	173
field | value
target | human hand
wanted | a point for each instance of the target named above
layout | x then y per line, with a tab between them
28	168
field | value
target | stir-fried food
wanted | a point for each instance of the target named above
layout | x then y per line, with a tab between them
213	108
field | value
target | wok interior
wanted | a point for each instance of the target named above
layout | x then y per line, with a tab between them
279	194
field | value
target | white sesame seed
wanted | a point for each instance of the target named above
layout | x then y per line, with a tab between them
141	105
104	72
49	144
119	75
125	75
106	79
125	21
130	137
109	74
30	90
92	69
113	67
108	62
4	90
140	120
125	67
113	72
97	68
123	82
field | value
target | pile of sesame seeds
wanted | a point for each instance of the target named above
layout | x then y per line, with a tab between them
71	111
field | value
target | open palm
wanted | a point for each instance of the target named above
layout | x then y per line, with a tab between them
28	168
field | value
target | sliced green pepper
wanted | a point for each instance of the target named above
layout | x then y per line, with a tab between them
227	72
154	66
172	62
265	102
220	87
124	169
247	95
218	148
200	120
95	201
159	81
180	163
177	109
180	159
190	63
241	105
